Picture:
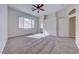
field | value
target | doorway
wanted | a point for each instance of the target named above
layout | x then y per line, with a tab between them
72	28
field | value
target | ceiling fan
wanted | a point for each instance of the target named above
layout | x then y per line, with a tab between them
37	7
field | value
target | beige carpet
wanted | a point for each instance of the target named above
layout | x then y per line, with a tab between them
46	45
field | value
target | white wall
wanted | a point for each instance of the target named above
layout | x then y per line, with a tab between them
3	26
50	24
59	20
77	25
13	29
63	23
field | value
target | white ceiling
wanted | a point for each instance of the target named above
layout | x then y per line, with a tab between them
49	8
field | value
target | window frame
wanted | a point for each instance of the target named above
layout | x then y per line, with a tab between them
32	21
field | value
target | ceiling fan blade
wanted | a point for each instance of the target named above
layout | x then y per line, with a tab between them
41	5
42	9
33	9
35	6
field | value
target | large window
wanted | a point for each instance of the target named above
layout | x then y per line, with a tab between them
26	23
